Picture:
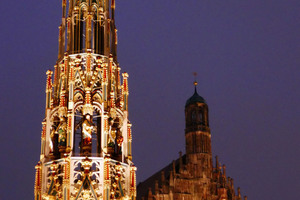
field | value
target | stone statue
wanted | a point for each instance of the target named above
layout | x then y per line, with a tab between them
62	132
111	134
51	147
119	141
87	129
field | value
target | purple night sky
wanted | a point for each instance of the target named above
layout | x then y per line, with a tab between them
246	54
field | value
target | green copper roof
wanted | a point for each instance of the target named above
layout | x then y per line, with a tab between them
194	99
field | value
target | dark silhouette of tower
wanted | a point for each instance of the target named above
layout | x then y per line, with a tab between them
197	135
192	176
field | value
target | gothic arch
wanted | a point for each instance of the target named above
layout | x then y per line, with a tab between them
54	112
98	107
78	96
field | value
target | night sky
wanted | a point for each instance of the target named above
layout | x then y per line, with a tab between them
246	54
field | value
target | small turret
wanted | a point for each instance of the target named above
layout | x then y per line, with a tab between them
239	193
224	170
180	161
156	187
217	163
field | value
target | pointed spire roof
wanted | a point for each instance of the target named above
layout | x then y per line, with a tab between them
195	98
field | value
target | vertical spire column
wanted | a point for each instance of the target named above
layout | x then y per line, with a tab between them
71	85
71	108
66	179
88	65
69	38
113	31
105	81
43	139
118	81
55	81
129	141
133	182
48	89
106	134
112	82
125	90
63	23
110	73
112	99
88	38
66	68
107	26
46	139
62	29
106	188
38	182
59	41
75	30
62	110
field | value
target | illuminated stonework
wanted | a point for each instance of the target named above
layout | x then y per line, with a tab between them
86	135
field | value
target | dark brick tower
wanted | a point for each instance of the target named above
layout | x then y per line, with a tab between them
192	176
197	136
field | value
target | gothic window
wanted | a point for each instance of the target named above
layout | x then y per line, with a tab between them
76	33
201	117
54	138
97	133
206	117
82	31
98	35
194	117
77	133
116	138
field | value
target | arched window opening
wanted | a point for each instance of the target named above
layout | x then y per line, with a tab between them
98	33
206	117
194	117
87	134
96	134
101	38
77	133
82	31
115	139
76	33
200	115
53	146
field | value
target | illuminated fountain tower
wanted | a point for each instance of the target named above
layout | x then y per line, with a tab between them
86	134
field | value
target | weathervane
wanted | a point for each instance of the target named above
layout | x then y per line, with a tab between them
195	82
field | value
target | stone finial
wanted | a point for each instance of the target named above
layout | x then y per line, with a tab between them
162	177
150	193
239	192
224	170
171	181
217	162
156	187
180	161
174	169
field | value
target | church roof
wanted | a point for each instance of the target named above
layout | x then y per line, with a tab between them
143	187
195	98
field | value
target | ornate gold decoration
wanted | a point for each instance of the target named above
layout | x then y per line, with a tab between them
84	141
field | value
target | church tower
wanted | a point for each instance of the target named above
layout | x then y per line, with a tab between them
86	135
197	136
192	176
